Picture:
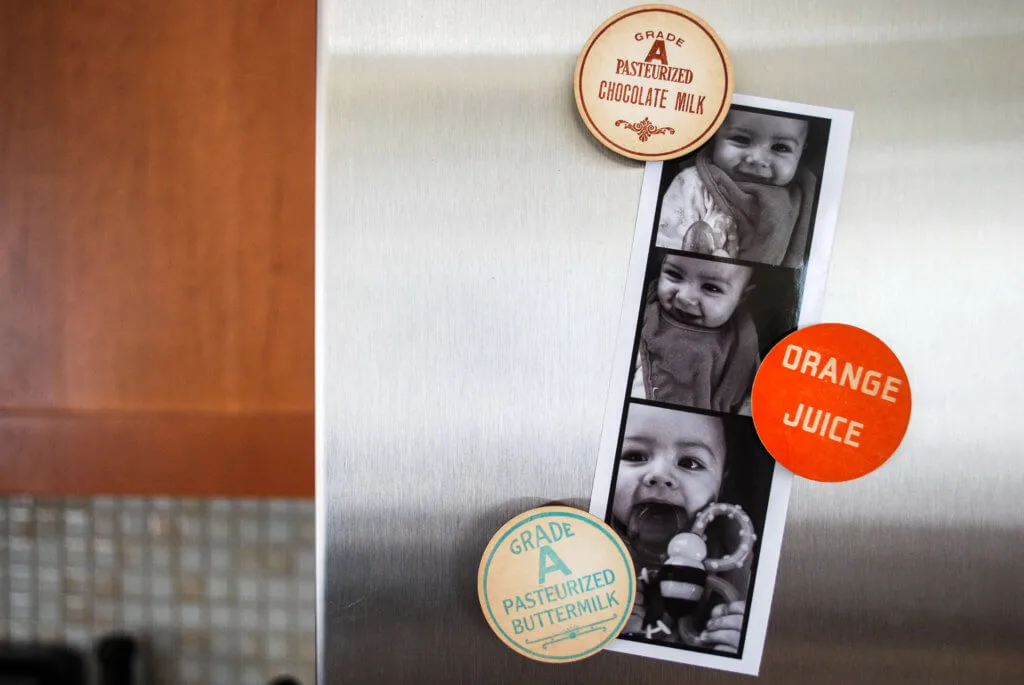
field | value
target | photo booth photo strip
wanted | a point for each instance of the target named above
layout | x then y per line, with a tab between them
730	254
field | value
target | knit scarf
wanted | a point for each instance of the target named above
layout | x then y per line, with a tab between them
704	369
773	222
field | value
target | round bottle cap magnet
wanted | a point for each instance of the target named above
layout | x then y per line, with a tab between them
556	584
654	82
831	402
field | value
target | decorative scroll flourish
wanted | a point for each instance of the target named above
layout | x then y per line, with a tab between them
645	129
573	632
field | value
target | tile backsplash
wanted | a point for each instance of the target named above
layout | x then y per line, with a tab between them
217	591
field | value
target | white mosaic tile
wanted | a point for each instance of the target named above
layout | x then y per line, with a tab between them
134	584
191	527
279	618
249	530
192	558
279	590
193	616
218	588
220	529
219	506
221	591
221	558
222	617
254	674
249	616
277	648
134	615
223	644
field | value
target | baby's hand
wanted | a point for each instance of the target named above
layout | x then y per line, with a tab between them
723	629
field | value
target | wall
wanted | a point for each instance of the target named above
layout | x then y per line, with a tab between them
221	591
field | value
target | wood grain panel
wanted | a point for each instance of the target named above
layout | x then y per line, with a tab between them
156	211
190	455
31	244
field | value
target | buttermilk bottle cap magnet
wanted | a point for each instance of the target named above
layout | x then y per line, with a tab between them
556	584
653	82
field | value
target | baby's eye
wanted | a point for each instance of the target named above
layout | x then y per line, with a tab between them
672	274
690	464
739	139
634	456
782	148
713	289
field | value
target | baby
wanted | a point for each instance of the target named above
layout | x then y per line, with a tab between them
698	345
747	197
671	466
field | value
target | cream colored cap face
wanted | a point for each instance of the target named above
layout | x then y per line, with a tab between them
653	82
556	584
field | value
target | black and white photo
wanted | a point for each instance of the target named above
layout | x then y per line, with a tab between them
750	192
730	254
705	325
675	469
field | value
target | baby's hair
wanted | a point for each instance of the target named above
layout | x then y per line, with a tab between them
748	470
815	144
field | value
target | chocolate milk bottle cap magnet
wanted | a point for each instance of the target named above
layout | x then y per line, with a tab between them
653	82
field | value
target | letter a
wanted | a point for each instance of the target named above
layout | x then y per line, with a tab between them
549	561
657	52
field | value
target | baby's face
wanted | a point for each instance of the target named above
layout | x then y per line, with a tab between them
759	147
701	293
669	457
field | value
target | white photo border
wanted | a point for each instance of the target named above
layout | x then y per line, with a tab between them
812	300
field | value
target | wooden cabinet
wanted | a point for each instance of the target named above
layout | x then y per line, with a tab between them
156	246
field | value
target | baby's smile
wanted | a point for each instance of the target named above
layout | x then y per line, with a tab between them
687	315
756	173
759	148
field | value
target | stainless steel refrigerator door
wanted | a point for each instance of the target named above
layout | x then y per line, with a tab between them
473	242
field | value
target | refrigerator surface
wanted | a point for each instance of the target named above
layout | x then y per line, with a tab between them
473	241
